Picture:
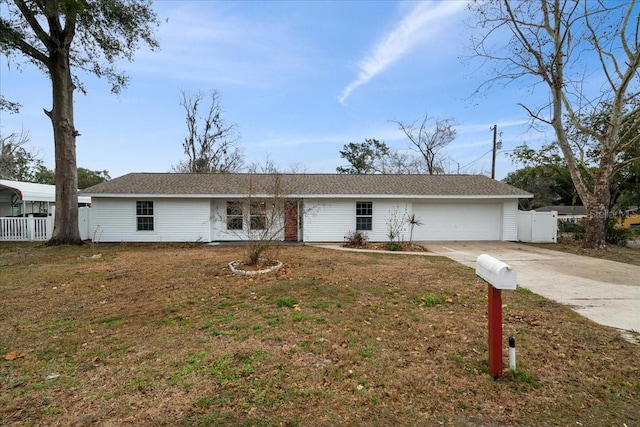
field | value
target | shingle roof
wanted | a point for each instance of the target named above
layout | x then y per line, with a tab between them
193	185
564	210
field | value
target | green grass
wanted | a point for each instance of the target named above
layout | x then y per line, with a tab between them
288	302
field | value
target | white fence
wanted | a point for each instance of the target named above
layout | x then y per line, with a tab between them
538	227
39	229
26	229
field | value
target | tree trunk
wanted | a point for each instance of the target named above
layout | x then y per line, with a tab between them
65	227
597	204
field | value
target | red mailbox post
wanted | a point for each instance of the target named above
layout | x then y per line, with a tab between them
495	331
499	276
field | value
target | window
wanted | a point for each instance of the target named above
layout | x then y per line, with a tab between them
258	215
144	216
234	215
364	216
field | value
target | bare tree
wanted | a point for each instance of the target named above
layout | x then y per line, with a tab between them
586	55
12	151
429	138
402	162
268	165
259	217
211	143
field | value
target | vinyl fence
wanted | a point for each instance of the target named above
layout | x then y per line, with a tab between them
538	227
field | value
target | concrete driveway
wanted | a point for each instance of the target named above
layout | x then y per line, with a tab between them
606	292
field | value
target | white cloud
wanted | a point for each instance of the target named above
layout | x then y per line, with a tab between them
426	20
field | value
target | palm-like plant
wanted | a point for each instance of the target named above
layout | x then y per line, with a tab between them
413	220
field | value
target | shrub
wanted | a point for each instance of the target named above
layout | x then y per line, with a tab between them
393	246
618	235
355	239
569	227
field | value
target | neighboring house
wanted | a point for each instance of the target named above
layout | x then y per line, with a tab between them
572	214
632	218
23	198
173	207
26	208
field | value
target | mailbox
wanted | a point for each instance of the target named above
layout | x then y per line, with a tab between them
495	272
499	276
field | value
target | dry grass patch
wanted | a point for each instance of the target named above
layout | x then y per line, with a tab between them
166	335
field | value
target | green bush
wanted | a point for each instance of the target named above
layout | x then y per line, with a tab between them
393	246
571	227
617	235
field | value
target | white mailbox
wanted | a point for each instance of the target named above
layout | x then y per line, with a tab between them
495	272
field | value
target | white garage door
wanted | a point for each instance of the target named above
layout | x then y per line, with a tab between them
458	221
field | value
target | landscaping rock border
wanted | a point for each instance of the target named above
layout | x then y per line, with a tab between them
234	270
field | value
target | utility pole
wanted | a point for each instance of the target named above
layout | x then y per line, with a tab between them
496	146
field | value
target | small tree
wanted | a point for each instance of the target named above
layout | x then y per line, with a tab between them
395	224
259	217
267	215
413	221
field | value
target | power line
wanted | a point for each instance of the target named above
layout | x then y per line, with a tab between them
476	160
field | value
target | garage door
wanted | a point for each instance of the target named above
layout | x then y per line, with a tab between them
458	221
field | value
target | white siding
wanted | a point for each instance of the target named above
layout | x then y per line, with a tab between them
324	220
448	220
175	220
327	220
510	220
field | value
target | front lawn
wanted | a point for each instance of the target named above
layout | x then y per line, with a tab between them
152	335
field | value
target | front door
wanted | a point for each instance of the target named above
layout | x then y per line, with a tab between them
291	221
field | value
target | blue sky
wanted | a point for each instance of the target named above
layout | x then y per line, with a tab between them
298	79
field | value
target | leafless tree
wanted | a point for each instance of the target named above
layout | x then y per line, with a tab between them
211	143
585	53
268	165
429	138
403	162
260	217
14	158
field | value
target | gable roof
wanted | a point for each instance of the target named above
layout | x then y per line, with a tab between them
304	185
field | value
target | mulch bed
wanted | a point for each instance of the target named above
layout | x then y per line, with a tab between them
383	246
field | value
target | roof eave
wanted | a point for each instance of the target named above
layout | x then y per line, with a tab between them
309	196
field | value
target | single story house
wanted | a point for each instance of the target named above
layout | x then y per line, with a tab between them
572	214
179	207
19	198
